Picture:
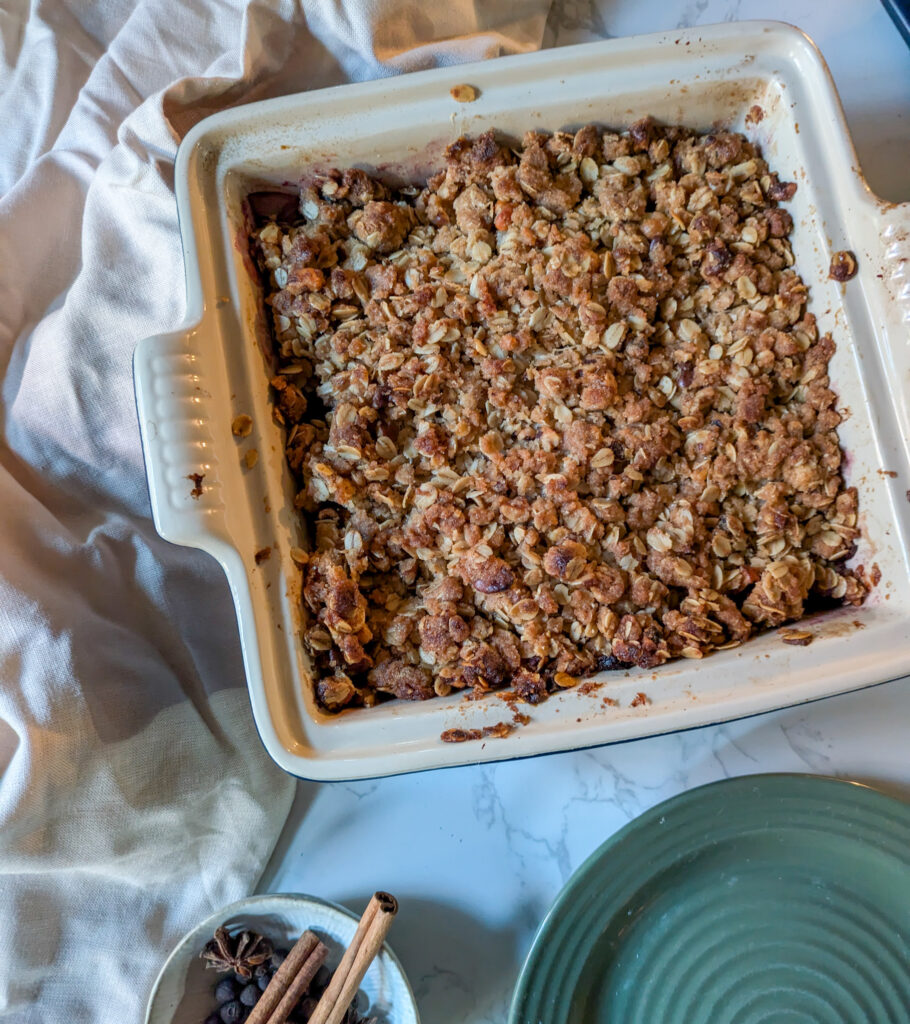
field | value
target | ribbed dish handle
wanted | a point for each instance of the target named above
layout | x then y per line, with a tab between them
179	421
894	236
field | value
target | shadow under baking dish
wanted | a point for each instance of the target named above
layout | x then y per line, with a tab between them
191	384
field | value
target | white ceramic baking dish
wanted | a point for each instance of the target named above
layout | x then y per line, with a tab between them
190	384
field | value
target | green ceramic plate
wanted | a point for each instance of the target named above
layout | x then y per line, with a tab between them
781	899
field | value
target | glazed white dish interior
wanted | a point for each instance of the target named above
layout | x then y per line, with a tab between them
192	383
182	993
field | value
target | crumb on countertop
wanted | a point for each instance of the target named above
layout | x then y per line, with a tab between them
262	555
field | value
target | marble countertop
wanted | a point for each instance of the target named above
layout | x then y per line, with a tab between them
476	855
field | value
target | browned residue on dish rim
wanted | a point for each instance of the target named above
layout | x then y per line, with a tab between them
498	731
197	478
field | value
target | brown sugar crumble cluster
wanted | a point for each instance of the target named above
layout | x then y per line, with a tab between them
562	410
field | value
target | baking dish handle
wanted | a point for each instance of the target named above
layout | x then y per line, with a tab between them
177	421
894	263
895	239
887	253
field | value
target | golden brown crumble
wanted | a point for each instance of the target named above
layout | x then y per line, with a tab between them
562	410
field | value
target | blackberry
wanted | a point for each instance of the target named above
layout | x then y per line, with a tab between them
250	995
226	990
232	1012
213	1018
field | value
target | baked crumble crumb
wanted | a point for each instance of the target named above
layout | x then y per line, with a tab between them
562	410
463	93
196	489
843	266
242	425
796	637
498	731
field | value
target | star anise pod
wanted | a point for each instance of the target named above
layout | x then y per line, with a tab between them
238	953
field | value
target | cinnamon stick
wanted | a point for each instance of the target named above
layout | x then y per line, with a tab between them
296	973
368	939
298	987
347	960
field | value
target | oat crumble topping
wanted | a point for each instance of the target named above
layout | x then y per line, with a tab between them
562	410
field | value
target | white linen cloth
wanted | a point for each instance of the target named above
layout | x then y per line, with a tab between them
135	796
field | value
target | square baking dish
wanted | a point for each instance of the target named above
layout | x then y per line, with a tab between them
190	384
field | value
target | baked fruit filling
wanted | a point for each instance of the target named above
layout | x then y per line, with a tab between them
562	410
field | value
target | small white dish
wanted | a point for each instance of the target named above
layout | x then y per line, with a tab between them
182	993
